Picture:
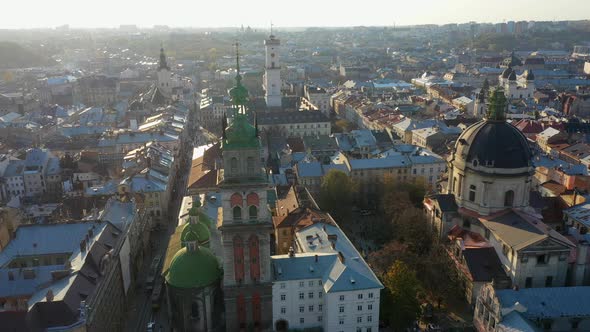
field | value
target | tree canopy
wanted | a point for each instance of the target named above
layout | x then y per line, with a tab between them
400	306
336	194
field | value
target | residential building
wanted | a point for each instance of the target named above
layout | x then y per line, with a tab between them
323	282
533	309
294	123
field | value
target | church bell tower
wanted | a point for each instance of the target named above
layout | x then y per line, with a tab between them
245	224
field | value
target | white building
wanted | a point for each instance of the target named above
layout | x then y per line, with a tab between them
319	98
272	74
324	282
517	86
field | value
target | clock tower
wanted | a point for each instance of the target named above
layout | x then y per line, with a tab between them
272	73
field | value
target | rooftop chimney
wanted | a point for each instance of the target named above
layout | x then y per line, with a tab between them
316	258
49	295
83	245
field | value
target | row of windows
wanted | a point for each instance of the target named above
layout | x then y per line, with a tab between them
359	296
358	307
310	295
310	283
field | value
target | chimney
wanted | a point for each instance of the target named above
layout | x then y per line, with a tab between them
83	245
49	296
316	258
341	256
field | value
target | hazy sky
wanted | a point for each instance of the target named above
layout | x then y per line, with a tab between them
286	13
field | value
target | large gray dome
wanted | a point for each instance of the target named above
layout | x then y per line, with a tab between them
493	144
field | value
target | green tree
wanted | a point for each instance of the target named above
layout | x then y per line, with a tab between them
401	306
336	194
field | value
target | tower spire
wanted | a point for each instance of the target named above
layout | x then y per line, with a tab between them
163	63
239	94
497	106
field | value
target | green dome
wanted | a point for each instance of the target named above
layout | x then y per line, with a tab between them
197	232
241	134
193	269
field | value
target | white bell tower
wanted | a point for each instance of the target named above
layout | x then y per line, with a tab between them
164	75
272	74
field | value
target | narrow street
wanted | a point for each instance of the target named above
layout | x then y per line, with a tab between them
141	310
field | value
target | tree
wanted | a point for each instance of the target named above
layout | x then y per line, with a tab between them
401	306
336	194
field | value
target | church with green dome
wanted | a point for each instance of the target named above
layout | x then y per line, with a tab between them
193	275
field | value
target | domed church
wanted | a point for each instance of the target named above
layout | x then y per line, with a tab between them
484	210
193	275
490	169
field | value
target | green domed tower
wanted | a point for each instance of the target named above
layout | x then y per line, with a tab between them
193	276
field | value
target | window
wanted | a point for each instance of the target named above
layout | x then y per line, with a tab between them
341	321
253	212
283	297
319	282
369	318
509	198
320	307
547	325
234	165
549	281
283	285
301	296
370	295
341	308
341	297
368	329
283	310
320	318
358	329
310	308
301	284
310	283
359	308
472	189
301	320
542	259
370	307
320	294
575	324
359	319
250	165
310	295
360	296
237	213
528	282
301	308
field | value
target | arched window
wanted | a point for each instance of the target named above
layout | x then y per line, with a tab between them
195	310
256	316
509	198
253	212
250	165
234	165
236	200
241	303
237	213
254	258
472	190
252	199
238	259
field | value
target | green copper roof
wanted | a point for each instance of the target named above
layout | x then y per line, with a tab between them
197	232
241	134
193	269
497	106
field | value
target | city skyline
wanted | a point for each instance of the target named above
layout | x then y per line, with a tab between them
260	13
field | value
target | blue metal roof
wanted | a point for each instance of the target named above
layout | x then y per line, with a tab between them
389	162
552	302
339	265
313	169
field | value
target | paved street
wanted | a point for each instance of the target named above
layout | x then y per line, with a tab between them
141	311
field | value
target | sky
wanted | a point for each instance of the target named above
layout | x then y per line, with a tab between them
283	13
